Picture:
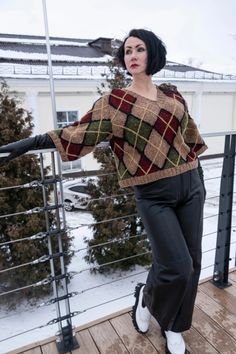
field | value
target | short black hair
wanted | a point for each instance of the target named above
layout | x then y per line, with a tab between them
155	47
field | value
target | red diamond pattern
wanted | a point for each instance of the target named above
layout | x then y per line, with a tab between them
167	125
122	100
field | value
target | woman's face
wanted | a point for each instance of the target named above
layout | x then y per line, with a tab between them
136	56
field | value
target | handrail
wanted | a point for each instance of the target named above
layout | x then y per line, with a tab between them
223	133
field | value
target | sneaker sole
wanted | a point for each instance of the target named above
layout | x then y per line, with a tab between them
134	308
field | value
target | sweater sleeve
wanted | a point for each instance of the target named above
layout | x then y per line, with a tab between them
192	135
190	132
81	137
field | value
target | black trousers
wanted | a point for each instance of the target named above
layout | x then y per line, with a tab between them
171	210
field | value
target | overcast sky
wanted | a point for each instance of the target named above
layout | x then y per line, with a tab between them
203	30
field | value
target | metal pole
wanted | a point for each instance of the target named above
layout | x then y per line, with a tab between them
222	256
52	91
60	243
67	342
50	71
50	250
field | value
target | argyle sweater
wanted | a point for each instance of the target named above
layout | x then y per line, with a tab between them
150	139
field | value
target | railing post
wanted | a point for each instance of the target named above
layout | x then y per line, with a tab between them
221	268
66	341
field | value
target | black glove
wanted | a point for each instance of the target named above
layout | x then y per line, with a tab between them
201	174
22	146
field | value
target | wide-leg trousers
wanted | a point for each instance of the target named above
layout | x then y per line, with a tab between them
171	210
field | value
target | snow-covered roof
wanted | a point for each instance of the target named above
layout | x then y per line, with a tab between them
36	41
23	56
42	57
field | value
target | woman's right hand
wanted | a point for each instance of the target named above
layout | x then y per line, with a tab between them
22	146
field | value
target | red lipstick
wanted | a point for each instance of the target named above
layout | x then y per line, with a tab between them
133	66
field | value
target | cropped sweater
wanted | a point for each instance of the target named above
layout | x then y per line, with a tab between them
150	139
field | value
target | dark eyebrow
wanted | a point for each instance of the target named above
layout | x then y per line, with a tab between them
138	45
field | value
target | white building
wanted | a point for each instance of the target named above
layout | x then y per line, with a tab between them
78	65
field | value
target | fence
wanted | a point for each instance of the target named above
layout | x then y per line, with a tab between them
62	297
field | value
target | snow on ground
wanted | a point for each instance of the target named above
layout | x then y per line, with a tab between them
26	317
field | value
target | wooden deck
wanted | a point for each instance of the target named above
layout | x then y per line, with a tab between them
213	330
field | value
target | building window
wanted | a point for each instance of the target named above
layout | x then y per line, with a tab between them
71	165
64	118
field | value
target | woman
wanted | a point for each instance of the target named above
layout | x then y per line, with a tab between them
156	145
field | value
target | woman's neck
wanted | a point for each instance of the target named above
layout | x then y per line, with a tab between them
143	86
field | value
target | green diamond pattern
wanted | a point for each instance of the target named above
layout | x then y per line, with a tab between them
91	135
184	122
172	160
132	125
123	171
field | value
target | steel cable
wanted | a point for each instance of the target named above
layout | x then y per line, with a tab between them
36	261
37	236
39	283
76	293
109	263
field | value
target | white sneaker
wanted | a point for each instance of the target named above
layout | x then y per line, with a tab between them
175	343
140	314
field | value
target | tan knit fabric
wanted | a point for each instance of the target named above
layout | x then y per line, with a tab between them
150	139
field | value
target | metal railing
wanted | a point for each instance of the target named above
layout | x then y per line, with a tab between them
61	299
63	313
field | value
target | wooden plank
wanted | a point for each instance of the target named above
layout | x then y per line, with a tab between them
155	336
133	341
49	348
232	287
217	312
223	297
107	339
33	351
87	345
196	343
213	333
232	276
102	319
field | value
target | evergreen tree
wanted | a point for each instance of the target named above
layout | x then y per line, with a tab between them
16	124
114	78
123	236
